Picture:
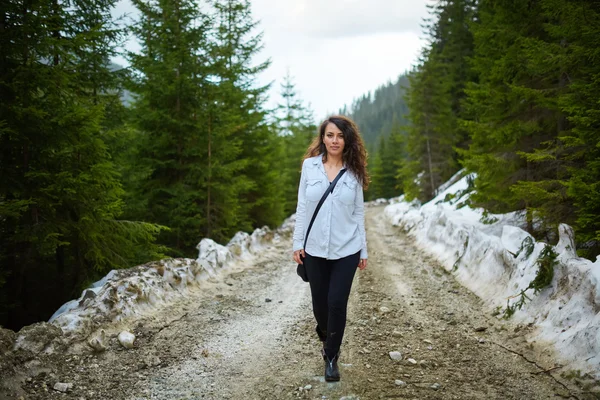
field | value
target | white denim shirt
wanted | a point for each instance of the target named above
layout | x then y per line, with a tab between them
339	228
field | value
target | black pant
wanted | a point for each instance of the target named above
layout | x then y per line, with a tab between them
330	283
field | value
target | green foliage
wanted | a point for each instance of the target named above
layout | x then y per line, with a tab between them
376	172
204	155
381	117
259	181
392	160
517	305
486	219
60	194
171	131
296	130
533	114
435	100
527	245
383	169
429	141
546	263
582	110
543	277
381	112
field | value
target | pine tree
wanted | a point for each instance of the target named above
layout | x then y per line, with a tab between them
374	113
294	116
376	188
435	100
575	33
296	131
393	160
60	195
174	97
257	183
516	118
429	139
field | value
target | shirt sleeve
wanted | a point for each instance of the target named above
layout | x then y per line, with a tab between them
298	237
359	214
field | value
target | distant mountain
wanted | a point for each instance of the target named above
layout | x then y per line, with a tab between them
376	112
126	95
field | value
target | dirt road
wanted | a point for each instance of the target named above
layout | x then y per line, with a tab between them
250	335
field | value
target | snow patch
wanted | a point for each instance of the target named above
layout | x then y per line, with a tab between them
492	256
132	292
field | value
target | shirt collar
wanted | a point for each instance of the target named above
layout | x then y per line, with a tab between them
319	160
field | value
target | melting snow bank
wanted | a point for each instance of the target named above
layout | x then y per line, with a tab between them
132	292
498	261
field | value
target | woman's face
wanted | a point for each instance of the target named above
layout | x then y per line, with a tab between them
334	140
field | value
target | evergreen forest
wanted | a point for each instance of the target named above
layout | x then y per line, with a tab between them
506	90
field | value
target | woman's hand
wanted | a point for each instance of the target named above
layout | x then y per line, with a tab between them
362	264
297	254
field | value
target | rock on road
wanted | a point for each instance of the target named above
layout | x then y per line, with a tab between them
250	335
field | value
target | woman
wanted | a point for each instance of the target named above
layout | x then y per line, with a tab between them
337	242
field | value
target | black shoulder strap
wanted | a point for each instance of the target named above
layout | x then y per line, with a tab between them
329	190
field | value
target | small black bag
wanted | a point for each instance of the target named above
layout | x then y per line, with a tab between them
301	269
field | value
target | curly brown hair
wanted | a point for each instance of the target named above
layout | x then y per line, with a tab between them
354	154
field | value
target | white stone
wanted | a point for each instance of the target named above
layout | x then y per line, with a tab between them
395	355
98	341
126	339
63	387
412	361
398	382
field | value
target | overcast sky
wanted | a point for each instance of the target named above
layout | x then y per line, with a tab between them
336	50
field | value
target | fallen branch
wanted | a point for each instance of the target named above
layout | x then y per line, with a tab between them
547	370
543	370
170	323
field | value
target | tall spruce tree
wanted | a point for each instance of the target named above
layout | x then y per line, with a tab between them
515	113
574	29
435	100
257	184
208	155
430	139
376	172
389	158
393	159
172	108
296	131
60	196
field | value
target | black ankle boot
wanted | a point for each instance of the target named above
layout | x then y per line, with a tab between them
332	373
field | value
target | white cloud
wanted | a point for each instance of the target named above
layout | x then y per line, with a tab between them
331	72
338	50
339	18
